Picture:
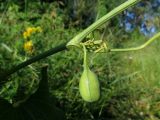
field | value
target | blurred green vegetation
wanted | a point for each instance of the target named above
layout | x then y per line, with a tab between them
129	81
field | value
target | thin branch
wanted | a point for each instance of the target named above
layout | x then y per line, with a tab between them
155	37
36	58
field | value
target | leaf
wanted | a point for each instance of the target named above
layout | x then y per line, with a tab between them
38	106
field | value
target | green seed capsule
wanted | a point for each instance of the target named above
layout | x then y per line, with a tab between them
89	84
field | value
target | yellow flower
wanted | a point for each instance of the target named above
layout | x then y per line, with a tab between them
30	30
25	35
28	46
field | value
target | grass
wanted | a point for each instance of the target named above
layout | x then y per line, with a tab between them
140	80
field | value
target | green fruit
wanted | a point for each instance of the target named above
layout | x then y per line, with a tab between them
89	86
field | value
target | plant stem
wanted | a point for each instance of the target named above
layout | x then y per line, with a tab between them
78	38
36	58
85	58
139	47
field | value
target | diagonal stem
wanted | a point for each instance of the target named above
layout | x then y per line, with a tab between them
36	58
78	38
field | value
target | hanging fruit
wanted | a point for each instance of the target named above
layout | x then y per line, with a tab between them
89	84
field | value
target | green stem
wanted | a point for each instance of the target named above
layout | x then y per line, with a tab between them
26	4
139	47
85	59
36	58
78	38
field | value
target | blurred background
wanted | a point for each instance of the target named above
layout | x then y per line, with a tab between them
130	81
